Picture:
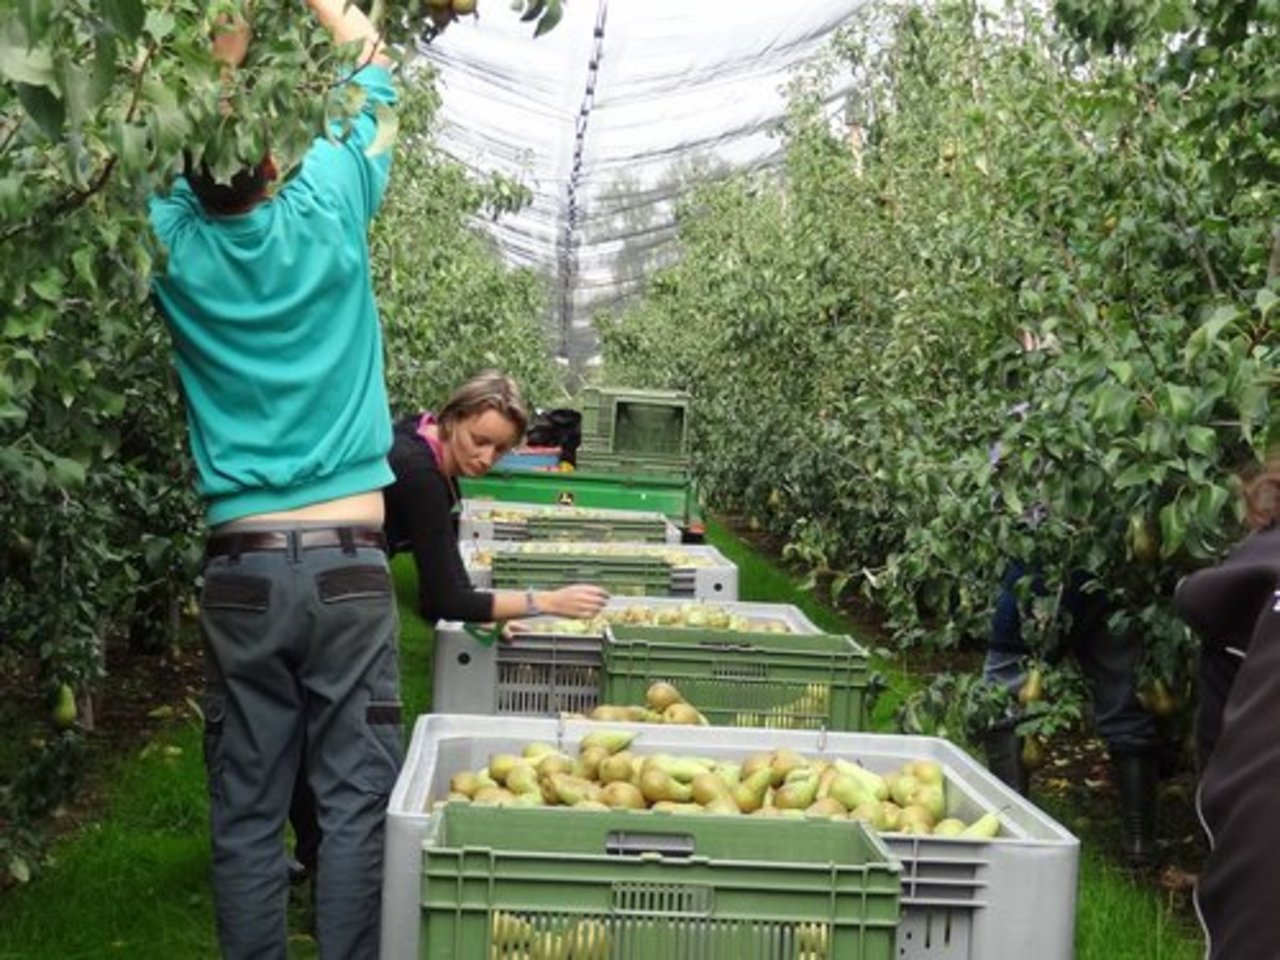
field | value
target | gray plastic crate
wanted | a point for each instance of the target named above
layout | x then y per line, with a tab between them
962	899
545	674
476	522
717	579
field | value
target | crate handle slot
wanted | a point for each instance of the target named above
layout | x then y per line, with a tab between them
623	843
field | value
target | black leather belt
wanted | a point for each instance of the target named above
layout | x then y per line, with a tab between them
293	541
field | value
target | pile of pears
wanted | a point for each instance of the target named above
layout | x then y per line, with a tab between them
512	937
708	616
607	775
662	704
670	556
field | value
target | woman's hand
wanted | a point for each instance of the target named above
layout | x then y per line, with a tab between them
580	601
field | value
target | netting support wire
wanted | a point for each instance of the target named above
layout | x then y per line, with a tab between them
567	254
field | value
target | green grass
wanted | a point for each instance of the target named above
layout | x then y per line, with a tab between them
135	883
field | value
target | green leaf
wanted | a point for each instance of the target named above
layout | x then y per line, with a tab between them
22	63
555	10
1134	475
1173	529
1265	301
44	108
1201	440
125	16
66	472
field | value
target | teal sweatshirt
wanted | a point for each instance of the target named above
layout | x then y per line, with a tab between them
276	336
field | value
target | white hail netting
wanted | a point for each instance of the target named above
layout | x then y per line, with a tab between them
608	117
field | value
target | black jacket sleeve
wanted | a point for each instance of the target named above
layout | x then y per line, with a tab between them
1237	604
420	509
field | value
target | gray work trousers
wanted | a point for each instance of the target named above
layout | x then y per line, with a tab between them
300	648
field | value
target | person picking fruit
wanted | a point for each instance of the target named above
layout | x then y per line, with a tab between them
1234	608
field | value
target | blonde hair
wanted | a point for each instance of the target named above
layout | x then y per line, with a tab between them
488	390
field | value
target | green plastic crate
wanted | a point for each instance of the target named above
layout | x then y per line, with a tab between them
782	682
508	883
597	529
632	464
672	496
626	420
624	576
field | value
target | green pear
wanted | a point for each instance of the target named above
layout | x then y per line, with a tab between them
621	795
612	741
848	791
616	767
926	771
64	710
465	782
870	812
950	827
508	930
933	798
657	785
915	819
828	807
722	805
903	788
588	765
749	794
985	827
797	795
501	764
534	751
872	783
708	787
523	779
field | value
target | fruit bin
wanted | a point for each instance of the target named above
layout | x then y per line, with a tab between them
555	670
743	680
623	420
498	883
1006	898
485	520
693	571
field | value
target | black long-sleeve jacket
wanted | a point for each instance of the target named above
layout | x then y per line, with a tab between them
1237	604
422	517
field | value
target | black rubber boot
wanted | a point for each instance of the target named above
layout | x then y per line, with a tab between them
1137	776
1004	758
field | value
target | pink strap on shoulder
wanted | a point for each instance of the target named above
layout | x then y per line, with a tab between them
429	420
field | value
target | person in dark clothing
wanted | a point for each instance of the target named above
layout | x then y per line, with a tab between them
480	422
483	419
1234	608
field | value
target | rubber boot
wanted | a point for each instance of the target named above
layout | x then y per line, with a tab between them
1004	758
1137	776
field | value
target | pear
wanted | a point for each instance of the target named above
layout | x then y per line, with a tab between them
454	797
683	769
64	709
673	806
554	763
508	930
708	787
872	783
684	713
730	773
890	815
595	805
621	795
533	751
797	795
612	741
588	765
756	762
722	805
571	790
546	945
587	940
828	807
800	773
915	819
616	767
661	695
933	798
534	799
870	812
783	762
950	827
501	764
657	785
848	791
903	788
465	782
523	779
813	937
493	797
749	794
926	771
825	780
985	827
610	714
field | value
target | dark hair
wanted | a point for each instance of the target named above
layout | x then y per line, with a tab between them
489	390
1262	495
247	186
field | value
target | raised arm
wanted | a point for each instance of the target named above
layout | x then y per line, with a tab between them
347	23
